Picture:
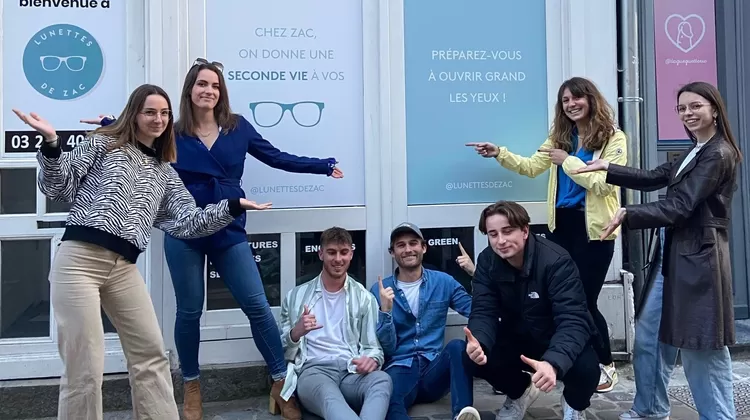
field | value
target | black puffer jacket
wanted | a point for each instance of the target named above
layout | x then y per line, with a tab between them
543	303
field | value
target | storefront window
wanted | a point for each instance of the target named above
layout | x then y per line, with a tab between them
57	206
24	288
443	249
297	76
309	264
267	253
470	79
18	191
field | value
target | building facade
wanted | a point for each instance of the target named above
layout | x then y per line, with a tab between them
392	89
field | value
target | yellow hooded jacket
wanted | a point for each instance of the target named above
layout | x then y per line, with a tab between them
602	199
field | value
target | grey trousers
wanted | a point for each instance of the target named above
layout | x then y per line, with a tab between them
327	389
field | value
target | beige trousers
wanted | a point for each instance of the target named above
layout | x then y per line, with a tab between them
83	277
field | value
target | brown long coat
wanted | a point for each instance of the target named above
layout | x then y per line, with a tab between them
697	307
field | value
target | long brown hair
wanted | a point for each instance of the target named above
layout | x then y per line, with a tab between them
125	128
600	123
222	112
710	93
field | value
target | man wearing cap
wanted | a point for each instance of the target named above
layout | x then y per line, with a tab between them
414	306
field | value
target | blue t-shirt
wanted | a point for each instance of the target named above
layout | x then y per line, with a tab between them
569	194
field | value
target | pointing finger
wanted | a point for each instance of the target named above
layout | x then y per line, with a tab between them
380	282
463	251
474	144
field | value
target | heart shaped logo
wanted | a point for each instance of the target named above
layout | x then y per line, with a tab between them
685	32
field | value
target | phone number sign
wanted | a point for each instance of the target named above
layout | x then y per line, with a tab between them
31	141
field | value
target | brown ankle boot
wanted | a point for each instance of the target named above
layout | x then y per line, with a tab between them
289	409
193	405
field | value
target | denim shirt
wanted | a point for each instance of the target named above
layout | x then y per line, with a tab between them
402	335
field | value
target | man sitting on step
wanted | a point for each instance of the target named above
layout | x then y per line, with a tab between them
328	334
414	305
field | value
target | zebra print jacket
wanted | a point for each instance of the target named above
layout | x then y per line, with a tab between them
118	195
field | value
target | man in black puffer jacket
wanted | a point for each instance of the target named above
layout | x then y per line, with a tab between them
532	287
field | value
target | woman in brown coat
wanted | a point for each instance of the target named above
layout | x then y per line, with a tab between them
697	305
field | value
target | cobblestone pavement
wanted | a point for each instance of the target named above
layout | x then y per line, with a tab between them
603	406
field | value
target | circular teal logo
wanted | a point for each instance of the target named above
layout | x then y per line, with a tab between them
63	62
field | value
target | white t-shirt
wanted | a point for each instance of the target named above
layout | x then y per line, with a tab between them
329	342
411	292
690	157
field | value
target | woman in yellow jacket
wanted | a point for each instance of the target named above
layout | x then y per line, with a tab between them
580	205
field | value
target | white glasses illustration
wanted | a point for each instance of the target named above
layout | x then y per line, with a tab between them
305	114
53	62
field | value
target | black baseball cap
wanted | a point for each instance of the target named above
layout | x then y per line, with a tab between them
406	227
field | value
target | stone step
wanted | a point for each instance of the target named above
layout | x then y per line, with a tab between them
244	389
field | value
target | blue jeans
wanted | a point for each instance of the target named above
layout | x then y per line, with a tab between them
709	372
425	382
238	269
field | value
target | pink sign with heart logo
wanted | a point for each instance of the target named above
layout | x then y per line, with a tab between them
685	35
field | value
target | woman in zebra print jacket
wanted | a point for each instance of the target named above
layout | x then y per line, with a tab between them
121	183
212	146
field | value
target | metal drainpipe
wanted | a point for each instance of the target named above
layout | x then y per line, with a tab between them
630	114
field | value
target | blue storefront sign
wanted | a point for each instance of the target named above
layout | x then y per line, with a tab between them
475	71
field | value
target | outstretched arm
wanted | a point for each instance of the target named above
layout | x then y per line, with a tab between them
61	172
710	172
615	152
179	216
264	151
628	177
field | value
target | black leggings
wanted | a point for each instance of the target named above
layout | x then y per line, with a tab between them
592	259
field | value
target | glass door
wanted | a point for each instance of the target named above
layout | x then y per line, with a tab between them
28	334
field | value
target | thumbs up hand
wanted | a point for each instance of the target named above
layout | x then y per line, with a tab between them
386	296
464	261
474	349
305	324
545	377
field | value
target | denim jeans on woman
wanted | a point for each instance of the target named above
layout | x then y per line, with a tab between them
238	269
709	372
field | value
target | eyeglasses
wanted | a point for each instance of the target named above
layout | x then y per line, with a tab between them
53	62
305	114
201	61
152	113
695	106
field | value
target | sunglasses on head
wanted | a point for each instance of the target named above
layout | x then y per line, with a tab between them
200	61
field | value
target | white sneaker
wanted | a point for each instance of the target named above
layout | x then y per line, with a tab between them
516	409
632	415
607	378
469	413
569	413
